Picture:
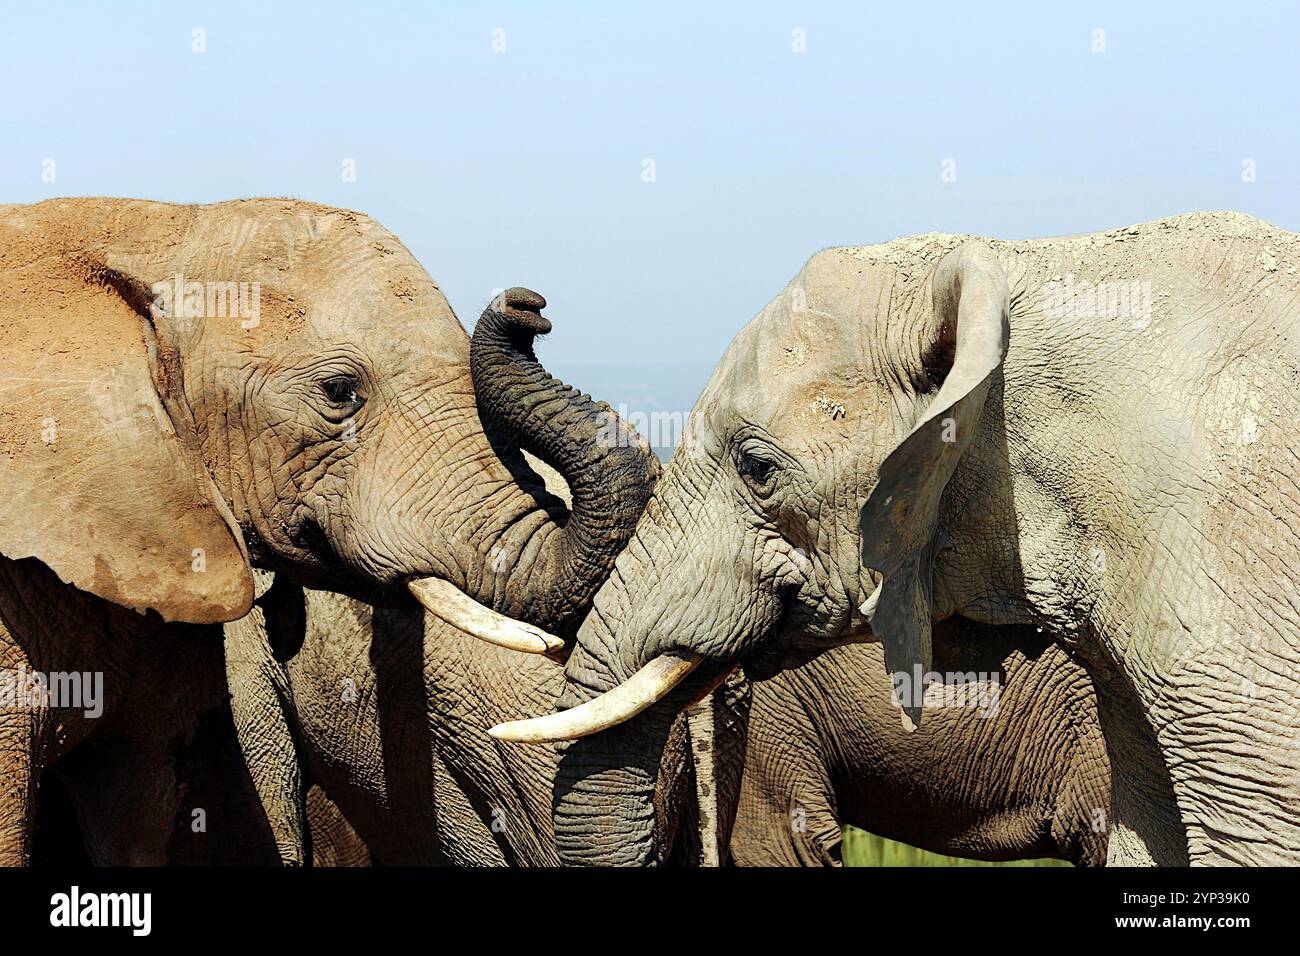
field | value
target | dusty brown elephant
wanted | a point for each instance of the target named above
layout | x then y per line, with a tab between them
1088	434
387	711
190	392
1014	768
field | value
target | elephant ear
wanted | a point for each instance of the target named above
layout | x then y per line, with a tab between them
102	476
970	329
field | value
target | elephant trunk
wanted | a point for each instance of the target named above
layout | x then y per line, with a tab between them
605	786
609	468
608	806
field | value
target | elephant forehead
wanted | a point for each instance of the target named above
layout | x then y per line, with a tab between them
821	361
381	304
839	311
277	319
391	301
827	405
801	377
367	284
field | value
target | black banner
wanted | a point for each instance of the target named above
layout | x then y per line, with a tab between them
213	905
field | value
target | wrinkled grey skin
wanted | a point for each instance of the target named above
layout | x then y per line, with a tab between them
1025	779
1125	482
338	440
386	712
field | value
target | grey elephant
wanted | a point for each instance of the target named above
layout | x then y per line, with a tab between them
1089	435
1011	768
1017	770
386	714
192	392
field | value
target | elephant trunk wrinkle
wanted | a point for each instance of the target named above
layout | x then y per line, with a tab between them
609	468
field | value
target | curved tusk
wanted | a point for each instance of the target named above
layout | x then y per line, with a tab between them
868	607
647	686
448	602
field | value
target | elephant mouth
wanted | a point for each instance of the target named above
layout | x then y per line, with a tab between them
441	598
783	646
786	645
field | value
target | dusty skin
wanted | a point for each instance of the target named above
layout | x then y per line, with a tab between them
1090	435
1092	493
304	402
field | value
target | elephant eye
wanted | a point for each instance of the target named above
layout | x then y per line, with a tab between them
341	390
757	471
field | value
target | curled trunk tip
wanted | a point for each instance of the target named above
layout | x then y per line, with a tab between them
512	320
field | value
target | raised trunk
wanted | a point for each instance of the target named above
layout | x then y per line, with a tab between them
609	469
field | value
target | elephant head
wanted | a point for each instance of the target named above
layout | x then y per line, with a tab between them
875	455
194	390
863	382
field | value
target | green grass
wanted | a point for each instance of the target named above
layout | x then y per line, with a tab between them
867	849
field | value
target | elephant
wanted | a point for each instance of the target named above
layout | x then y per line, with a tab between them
194	392
178	796
819	746
380	711
334	842
386	730
1022	774
1087	435
129	798
383	715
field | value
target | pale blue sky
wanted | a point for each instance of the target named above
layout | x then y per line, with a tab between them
525	167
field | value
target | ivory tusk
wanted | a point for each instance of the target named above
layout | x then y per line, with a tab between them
446	601
868	607
647	686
